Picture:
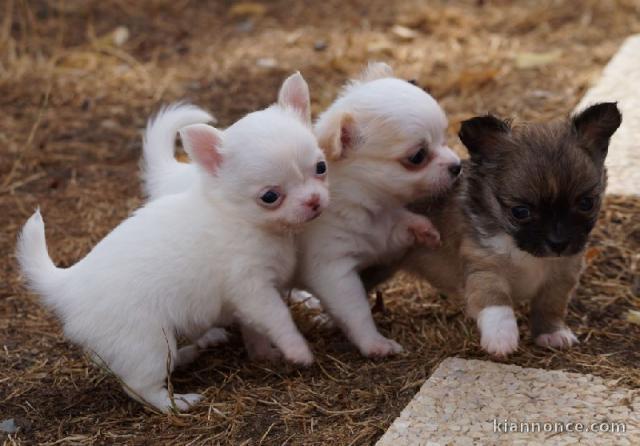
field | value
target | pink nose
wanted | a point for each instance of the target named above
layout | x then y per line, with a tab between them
313	203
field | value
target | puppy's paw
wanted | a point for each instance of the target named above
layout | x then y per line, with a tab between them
498	330
263	352
298	354
213	337
423	231
187	354
562	338
184	401
380	347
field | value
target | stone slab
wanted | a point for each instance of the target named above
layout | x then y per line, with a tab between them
471	402
620	81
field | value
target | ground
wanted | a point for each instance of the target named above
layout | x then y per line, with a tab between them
78	79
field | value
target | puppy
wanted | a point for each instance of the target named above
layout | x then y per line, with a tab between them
222	250
385	144
516	227
384	139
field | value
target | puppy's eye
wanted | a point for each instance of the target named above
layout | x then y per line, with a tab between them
418	158
521	212
585	204
270	198
321	168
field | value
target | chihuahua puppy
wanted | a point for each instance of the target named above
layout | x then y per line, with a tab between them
516	227
385	144
384	139
222	250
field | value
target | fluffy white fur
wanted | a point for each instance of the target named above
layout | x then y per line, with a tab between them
498	330
200	258
368	134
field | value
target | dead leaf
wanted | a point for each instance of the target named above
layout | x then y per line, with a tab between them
633	316
403	32
533	60
591	254
247	9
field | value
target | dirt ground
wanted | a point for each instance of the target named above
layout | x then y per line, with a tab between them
78	79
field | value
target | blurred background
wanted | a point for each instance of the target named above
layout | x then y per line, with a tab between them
78	80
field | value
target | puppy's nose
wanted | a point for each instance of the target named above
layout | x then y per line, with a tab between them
557	245
313	203
455	169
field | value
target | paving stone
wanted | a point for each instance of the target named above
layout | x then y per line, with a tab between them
479	402
620	81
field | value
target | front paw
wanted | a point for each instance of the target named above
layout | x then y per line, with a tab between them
380	347
562	338
498	330
264	352
423	231
298	353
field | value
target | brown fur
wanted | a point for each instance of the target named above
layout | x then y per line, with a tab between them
487	257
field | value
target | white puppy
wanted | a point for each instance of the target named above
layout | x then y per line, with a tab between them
385	143
222	250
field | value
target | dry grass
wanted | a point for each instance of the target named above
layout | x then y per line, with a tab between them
73	102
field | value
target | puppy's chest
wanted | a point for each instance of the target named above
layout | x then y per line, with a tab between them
526	273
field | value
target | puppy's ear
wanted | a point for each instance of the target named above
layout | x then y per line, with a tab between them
294	94
337	136
595	126
375	70
202	143
481	135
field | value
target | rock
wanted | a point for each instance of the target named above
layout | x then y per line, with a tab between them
8	426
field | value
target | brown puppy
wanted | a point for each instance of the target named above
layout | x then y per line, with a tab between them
516	227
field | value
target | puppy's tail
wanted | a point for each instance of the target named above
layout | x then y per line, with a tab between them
162	174
41	274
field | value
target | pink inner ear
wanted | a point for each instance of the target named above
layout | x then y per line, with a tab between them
203	145
345	138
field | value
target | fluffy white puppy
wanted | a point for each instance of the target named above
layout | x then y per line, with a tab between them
222	250
385	143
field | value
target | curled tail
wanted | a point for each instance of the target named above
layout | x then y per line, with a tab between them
162	174
41	273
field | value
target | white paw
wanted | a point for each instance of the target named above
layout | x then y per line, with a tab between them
563	338
184	401
299	354
306	298
187	354
424	232
379	347
263	352
498	330
214	336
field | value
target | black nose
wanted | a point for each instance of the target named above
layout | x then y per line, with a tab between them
455	169
557	246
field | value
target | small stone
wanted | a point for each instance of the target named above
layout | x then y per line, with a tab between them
8	426
320	45
267	62
403	32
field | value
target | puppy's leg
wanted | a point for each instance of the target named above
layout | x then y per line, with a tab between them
548	311
143	366
264	311
212	337
258	346
413	229
488	301
342	294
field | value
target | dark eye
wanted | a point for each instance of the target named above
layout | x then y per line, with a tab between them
321	168
521	212
418	158
270	197
585	204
